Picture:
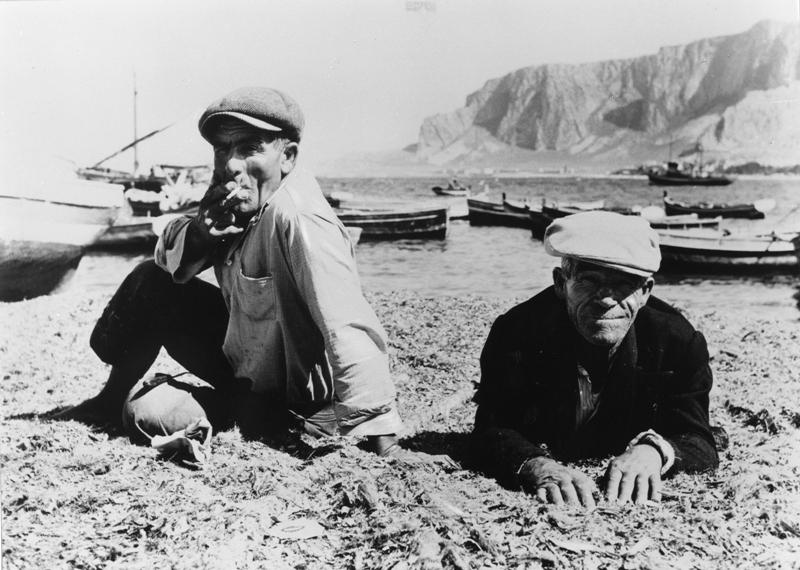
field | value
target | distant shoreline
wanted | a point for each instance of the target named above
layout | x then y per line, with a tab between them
521	175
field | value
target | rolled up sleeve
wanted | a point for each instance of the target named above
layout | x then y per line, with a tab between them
323	263
170	249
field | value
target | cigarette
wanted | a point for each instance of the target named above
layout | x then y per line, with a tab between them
233	193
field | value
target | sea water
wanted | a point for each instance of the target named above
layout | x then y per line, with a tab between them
510	263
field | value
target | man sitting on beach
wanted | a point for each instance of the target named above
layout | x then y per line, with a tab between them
288	339
595	366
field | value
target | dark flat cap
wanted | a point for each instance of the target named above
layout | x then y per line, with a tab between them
261	107
626	243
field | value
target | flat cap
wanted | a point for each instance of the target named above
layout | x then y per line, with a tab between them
626	243
261	107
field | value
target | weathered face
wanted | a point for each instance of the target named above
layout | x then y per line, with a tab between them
602	303
247	156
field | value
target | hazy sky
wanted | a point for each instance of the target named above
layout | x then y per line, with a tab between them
366	73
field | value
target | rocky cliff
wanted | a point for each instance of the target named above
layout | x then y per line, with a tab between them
738	96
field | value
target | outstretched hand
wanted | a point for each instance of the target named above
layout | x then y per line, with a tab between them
635	476
555	483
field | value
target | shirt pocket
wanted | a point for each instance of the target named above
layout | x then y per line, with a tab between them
255	296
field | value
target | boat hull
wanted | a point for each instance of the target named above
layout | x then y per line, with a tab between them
685	222
439	191
660	180
745	211
42	243
487	213
32	269
388	224
129	233
717	250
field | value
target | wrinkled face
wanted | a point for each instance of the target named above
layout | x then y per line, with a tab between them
251	158
602	303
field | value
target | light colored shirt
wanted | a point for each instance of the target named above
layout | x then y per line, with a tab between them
299	325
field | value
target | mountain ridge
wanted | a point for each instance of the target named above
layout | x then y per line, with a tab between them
736	96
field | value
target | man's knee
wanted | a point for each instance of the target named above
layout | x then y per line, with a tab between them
126	322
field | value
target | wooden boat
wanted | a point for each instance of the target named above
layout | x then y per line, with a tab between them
135	232
42	242
685	222
384	223
558	210
542	217
128	232
753	211
485	212
708	249
454	188
673	176
456	192
687	180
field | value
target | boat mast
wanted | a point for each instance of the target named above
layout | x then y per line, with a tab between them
135	136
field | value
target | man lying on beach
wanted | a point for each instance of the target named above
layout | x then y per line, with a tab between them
595	366
288	339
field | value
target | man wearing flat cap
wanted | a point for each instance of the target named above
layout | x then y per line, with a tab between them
595	366
287	339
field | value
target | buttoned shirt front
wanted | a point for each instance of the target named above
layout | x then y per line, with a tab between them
299	324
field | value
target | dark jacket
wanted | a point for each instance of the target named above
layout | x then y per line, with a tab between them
660	380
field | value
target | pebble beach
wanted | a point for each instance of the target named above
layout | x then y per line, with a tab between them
75	496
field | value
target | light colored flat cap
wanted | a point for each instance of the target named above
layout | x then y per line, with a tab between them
626	243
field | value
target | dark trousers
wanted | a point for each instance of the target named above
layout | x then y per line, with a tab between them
150	311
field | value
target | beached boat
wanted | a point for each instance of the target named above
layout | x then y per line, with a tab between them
706	249
753	211
135	232
685	222
673	176
485	212
542	217
43	241
384	223
129	232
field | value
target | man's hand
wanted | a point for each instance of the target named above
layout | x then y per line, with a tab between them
635	475
215	219
556	483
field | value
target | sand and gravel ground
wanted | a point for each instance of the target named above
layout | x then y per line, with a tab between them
80	497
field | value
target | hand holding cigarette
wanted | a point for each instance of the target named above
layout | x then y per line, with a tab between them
216	214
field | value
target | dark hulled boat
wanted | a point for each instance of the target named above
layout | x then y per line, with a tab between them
383	223
673	176
752	211
485	212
